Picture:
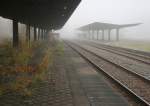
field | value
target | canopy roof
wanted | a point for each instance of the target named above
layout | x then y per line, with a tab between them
49	14
103	26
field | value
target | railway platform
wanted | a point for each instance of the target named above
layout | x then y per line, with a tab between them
72	82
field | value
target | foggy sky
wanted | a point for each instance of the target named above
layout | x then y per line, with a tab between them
113	11
108	11
5	28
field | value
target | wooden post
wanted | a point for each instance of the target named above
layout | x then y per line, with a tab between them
15	34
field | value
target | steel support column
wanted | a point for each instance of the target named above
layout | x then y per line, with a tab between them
109	32
35	34
93	34
15	34
97	34
38	33
117	34
42	34
46	34
27	33
89	34
103	35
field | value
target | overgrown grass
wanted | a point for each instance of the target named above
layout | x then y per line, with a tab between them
59	48
16	75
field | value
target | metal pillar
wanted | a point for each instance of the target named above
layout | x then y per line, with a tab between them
97	34
109	31
38	33
86	35
15	34
28	33
93	34
45	34
117	34
89	34
35	34
42	34
103	35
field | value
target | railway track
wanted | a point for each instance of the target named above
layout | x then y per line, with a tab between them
121	51
132	82
133	65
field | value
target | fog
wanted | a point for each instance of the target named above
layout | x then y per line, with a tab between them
115	12
5	28
108	11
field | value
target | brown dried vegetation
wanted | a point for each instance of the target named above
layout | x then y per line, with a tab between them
16	74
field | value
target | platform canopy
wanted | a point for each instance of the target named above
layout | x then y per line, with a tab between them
104	26
48	14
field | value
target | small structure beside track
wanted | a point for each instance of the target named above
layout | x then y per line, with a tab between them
97	27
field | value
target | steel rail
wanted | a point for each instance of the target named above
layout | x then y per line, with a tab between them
112	77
